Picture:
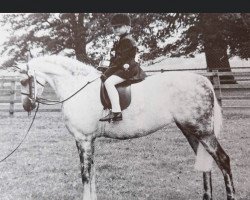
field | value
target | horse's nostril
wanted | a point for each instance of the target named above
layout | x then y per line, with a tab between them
33	106
26	107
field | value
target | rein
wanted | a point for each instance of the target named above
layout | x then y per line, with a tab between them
23	137
55	102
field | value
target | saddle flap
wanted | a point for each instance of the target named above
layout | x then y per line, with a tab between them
124	91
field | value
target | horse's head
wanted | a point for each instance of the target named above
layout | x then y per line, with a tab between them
31	86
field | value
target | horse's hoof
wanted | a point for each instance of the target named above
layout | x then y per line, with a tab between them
207	197
231	198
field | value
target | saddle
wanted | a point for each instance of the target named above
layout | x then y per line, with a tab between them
124	91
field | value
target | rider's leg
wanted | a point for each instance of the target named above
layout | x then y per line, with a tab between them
114	98
113	93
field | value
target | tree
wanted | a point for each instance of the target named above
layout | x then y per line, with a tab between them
219	35
41	33
86	36
223	32
71	33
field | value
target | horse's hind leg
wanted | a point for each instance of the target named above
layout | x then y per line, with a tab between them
212	145
207	179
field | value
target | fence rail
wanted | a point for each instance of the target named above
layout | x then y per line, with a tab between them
10	93
230	96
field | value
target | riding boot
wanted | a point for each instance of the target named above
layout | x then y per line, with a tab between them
112	116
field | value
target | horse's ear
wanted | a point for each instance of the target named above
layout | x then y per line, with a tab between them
22	67
23	71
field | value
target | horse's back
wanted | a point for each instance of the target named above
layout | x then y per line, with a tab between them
180	78
179	94
173	82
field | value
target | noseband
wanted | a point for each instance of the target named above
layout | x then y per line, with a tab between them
32	83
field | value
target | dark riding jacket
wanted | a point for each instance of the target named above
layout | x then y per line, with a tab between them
124	52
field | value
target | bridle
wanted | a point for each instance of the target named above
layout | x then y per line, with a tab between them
32	81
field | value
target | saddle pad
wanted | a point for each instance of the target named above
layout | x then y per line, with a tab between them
124	90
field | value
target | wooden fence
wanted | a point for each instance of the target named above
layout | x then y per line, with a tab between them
230	96
8	93
10	96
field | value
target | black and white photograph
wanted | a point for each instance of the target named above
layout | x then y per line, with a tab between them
125	106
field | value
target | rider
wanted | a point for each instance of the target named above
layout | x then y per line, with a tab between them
123	66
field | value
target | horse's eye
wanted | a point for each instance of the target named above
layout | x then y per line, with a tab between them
24	82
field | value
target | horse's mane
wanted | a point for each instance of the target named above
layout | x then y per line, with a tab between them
72	65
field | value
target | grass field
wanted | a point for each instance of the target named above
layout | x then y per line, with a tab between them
156	167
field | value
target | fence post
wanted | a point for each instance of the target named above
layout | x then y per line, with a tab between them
12	97
217	86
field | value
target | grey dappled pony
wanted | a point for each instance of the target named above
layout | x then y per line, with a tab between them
185	98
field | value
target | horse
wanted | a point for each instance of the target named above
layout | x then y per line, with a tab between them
184	98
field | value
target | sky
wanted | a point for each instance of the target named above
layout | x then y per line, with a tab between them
3	35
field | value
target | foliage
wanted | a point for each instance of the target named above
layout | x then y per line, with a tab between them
231	29
87	36
46	33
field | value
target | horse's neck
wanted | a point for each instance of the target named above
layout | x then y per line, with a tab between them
62	78
65	86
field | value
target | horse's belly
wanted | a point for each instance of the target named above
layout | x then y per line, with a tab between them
137	126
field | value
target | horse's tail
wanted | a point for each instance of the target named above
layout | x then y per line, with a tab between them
217	117
204	161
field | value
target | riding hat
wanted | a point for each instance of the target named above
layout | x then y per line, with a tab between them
120	20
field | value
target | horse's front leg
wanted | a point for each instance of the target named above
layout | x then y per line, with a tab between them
86	153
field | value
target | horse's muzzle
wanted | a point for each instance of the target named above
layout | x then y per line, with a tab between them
28	104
